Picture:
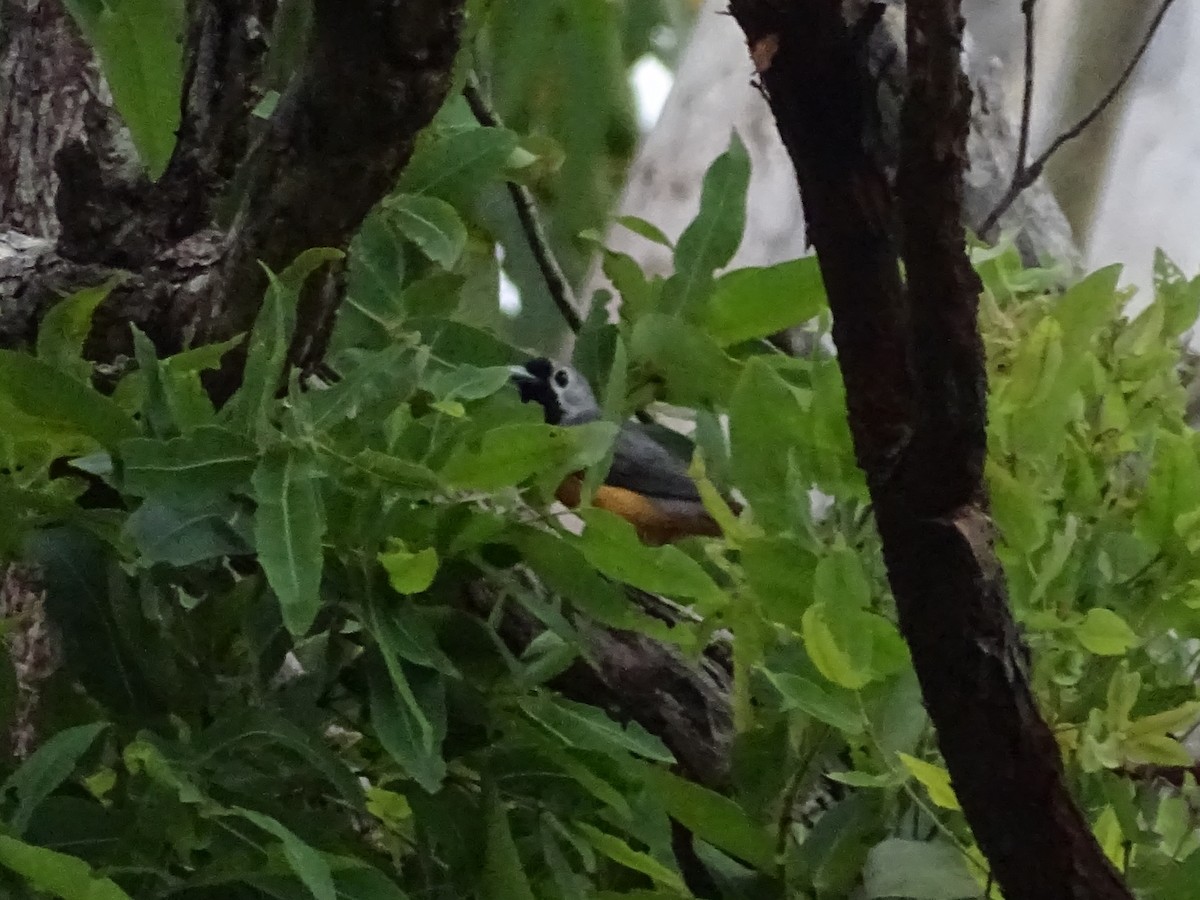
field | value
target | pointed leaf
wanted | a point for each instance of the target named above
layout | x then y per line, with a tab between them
432	224
50	765
309	865
288	528
63	876
712	238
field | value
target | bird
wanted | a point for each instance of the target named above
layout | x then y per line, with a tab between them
645	485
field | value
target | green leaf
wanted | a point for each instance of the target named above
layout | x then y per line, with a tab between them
468	382
644	229
1087	307
456	165
56	400
408	710
815	701
366	884
839	645
257	727
288	528
510	454
935	780
81	599
712	238
713	818
504	875
866	779
183	535
1017	506
251	406
408	572
1171	721
432	224
840	579
1179	297
1105	633
50	765
757	302
566	571
401	473
404	632
619	851
208	461
54	873
309	865
1156	750
1172	489
920	870
780	570
373	310
588	728
538	157
697	372
768	419
139	43
612	546
370	381
66	325
1036	367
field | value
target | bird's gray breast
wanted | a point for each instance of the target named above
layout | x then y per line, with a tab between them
643	465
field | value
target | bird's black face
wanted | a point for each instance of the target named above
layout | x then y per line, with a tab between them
535	380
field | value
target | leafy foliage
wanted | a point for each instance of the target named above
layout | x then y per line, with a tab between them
286	670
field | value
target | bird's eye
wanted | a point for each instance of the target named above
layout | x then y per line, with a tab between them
561	378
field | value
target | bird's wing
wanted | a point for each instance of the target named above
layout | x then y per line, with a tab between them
643	465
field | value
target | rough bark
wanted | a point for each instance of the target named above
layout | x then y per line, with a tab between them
374	75
49	88
33	650
916	389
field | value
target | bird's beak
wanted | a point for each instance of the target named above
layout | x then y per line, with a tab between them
520	374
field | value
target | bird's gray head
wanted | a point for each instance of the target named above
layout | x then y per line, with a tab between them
564	394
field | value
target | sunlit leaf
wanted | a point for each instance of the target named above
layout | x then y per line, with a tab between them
58	874
409	572
757	302
1105	633
935	780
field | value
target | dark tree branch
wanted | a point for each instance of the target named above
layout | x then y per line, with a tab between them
1027	9
1024	175
225	52
377	72
916	391
531	225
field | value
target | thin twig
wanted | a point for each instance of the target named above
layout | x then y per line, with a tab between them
1027	100
552	273
1029	174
